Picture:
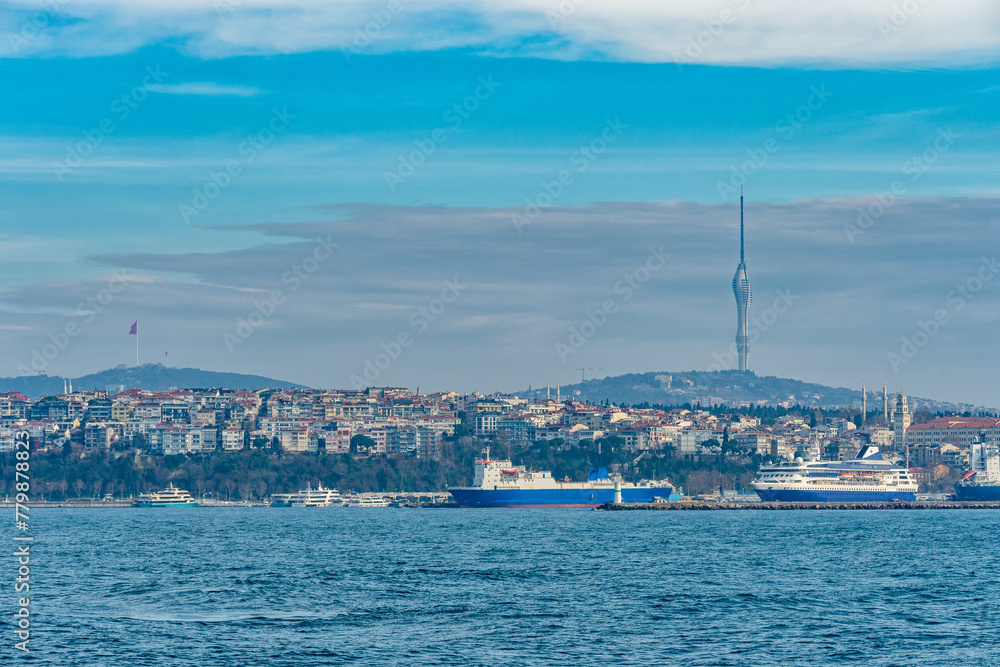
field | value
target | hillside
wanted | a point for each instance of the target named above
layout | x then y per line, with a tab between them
731	388
155	377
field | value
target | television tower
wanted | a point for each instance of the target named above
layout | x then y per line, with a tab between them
741	288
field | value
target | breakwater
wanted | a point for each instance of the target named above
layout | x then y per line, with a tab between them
762	506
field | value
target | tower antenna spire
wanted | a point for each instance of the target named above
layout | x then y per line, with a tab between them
741	223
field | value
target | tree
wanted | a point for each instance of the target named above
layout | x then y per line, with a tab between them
705	481
712	445
361	444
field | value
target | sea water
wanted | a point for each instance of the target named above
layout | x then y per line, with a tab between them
324	586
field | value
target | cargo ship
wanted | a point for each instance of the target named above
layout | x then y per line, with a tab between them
868	477
501	484
982	482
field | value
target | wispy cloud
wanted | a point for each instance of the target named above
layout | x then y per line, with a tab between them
761	32
205	88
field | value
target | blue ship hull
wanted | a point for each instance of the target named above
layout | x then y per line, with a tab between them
472	497
977	492
803	496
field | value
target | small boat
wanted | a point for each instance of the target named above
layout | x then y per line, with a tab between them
281	499
367	500
169	497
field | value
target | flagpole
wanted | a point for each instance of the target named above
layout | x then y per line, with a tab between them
137	347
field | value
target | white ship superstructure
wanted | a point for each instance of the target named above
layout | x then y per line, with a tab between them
318	497
169	497
367	500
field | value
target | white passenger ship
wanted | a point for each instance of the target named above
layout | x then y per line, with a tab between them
318	497
367	500
867	477
169	497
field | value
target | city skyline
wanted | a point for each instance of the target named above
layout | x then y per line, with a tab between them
502	207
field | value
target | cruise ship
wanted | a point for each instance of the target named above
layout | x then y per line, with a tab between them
982	482
169	497
501	484
867	477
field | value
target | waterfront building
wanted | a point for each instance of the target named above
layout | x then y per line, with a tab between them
958	431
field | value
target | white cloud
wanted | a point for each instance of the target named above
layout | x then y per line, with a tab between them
204	88
757	32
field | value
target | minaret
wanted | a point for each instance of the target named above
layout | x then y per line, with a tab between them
741	289
864	405
885	404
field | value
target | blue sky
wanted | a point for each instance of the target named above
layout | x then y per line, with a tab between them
119	123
